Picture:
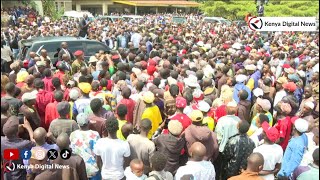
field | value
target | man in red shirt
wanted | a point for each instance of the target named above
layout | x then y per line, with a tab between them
284	124
60	74
128	102
43	99
181	103
47	80
51	111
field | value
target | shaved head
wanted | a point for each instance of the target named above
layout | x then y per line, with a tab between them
255	162
39	135
207	82
197	151
63	141
126	129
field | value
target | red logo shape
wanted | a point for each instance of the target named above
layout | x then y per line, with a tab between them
11	154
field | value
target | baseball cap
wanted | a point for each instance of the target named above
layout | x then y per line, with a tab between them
272	133
203	106
282	80
148	97
181	102
290	86
196	116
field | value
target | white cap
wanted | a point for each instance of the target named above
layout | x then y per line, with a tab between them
241	78
301	125
203	106
250	67
232	103
309	104
171	81
257	92
28	96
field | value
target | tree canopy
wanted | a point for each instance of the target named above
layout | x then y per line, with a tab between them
235	9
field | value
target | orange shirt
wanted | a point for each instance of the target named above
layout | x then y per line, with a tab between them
246	175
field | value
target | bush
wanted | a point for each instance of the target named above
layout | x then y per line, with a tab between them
234	9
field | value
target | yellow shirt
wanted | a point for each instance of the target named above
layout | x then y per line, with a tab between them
209	121
119	132
152	113
250	84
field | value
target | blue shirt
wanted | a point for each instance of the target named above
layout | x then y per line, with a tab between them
293	155
298	94
238	87
256	76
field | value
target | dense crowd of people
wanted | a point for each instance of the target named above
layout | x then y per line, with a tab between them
192	101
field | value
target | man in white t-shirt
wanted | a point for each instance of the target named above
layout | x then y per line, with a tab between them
196	166
111	151
271	152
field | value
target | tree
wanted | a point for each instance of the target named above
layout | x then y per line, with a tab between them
49	9
234	9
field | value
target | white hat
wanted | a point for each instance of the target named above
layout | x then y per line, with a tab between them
236	46
136	71
207	46
208	71
192	65
232	103
197	93
171	81
28	96
74	94
257	92
241	78
196	53
309	104
203	106
301	125
191	81
200	43
93	59
301	73
251	67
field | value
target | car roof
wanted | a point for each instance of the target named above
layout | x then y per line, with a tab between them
111	16
213	18
29	42
132	16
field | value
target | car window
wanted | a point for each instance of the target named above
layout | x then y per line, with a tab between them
93	47
179	19
75	45
211	20
25	53
51	48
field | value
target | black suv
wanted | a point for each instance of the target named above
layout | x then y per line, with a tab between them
51	44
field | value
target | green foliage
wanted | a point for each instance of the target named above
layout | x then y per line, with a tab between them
235	9
49	9
29	3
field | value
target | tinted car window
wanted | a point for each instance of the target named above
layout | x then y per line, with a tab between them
75	45
211	20
93	47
